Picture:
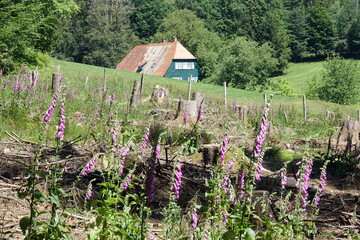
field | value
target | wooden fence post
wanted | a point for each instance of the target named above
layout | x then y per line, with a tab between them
304	108
55	81
189	88
358	115
225	96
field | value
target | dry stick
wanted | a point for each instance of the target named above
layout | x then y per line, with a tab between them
189	88
304	108
286	117
17	140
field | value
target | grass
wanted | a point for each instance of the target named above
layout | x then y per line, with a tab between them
297	75
88	101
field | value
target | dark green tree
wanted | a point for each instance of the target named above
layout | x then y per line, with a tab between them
99	34
28	29
191	32
320	30
245	64
272	29
148	15
296	24
353	37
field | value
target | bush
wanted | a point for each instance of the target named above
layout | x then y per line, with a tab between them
340	82
282	87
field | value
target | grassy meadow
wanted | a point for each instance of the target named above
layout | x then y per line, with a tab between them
85	100
119	187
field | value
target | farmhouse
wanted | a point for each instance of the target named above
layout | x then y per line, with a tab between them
167	59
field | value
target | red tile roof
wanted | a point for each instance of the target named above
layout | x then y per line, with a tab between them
154	59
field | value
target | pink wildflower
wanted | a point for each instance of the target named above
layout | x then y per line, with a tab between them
50	111
194	218
322	184
126	182
223	149
123	156
146	139
177	182
241	184
89	166
306	178
186	117
61	129
89	192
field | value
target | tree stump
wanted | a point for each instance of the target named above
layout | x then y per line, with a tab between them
347	138
188	106
159	94
210	153
330	115
136	95
198	97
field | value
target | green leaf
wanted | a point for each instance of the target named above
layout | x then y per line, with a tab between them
23	195
24	224
250	233
55	199
229	235
94	234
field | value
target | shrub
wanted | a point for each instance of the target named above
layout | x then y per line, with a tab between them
282	87
340	82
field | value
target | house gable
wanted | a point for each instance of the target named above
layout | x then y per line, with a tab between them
162	59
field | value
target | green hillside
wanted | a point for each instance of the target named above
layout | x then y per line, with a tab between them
297	75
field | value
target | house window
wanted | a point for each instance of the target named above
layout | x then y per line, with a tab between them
180	78
192	79
184	65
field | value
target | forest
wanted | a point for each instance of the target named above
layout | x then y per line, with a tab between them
243	42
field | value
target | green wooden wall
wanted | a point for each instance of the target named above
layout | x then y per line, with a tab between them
183	73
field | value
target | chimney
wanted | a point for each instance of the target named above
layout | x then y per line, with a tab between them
164	40
175	39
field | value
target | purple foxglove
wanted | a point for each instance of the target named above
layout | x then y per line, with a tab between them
126	182
305	180
241	184
194	218
223	150
177	180
152	174
89	192
123	156
89	166
112	98
16	86
50	111
186	117
322	184
146	139
61	129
